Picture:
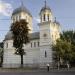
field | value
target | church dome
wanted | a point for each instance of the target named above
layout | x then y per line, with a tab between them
20	9
46	14
56	22
45	8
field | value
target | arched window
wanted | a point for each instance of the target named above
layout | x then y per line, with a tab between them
48	17
45	54
44	17
34	44
38	44
6	45
31	45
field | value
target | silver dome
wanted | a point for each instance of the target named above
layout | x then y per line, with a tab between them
20	9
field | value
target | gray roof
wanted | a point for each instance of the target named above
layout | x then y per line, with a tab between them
20	9
35	35
32	36
56	22
45	8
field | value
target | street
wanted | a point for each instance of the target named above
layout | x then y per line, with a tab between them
37	73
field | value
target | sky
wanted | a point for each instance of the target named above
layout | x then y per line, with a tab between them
63	10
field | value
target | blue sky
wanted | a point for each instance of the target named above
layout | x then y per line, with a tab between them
63	10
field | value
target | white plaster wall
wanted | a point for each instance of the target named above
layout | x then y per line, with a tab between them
32	53
44	59
12	60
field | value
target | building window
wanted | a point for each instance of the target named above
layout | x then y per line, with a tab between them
44	17
38	44
31	45
34	44
45	54
52	36
16	18
48	17
6	45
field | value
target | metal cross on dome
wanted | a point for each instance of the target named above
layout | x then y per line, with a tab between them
45	3
22	3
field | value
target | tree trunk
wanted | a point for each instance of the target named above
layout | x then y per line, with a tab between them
58	65
21	60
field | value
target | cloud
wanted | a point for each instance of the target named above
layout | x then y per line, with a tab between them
5	8
37	19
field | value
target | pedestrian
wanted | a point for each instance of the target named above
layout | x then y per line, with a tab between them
68	66
48	67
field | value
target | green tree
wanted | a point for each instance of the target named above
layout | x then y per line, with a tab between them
20	32
69	36
58	52
65	47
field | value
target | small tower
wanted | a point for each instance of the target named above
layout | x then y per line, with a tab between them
46	14
49	32
46	20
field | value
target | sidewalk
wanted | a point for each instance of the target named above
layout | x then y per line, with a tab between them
34	70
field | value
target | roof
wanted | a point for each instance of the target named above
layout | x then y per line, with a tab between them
20	9
35	35
9	36
32	36
45	8
56	22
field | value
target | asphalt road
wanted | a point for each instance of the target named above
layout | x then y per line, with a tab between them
37	73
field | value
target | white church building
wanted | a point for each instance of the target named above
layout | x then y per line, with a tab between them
38	52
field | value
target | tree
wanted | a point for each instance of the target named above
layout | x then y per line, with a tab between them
65	47
69	36
58	51
20	32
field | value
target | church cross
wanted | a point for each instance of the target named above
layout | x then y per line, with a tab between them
45	3
22	3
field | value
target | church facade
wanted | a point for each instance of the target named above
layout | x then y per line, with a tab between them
38	52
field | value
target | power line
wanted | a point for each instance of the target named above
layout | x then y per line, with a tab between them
5	19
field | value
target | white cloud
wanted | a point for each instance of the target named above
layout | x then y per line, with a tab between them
37	19
5	8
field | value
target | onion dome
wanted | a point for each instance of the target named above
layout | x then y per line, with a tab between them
21	9
45	8
56	22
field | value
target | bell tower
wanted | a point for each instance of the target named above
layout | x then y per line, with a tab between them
46	14
46	21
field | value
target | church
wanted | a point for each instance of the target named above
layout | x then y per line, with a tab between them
38	52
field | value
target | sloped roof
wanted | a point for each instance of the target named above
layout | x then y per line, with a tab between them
32	36
45	8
